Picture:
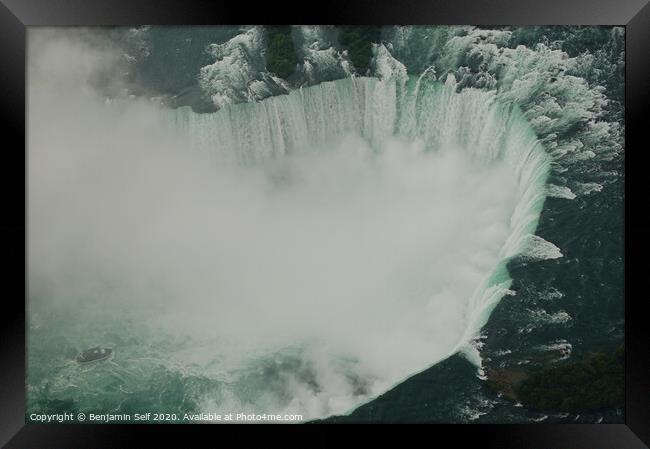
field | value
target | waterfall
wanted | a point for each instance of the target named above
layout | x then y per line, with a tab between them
472	121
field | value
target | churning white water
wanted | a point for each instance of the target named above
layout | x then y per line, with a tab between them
459	135
350	234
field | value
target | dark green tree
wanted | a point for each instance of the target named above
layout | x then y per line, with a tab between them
358	40
281	57
595	382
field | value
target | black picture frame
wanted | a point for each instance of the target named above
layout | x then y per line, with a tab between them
16	15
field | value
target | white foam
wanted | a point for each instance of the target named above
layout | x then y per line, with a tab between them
321	60
541	316
539	249
238	73
560	192
588	188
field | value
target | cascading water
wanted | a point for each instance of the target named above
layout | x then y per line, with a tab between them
472	123
316	241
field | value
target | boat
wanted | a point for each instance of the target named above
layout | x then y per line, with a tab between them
94	354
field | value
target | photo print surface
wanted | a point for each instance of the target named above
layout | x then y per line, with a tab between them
325	223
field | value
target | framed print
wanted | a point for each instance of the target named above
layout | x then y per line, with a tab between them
369	214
